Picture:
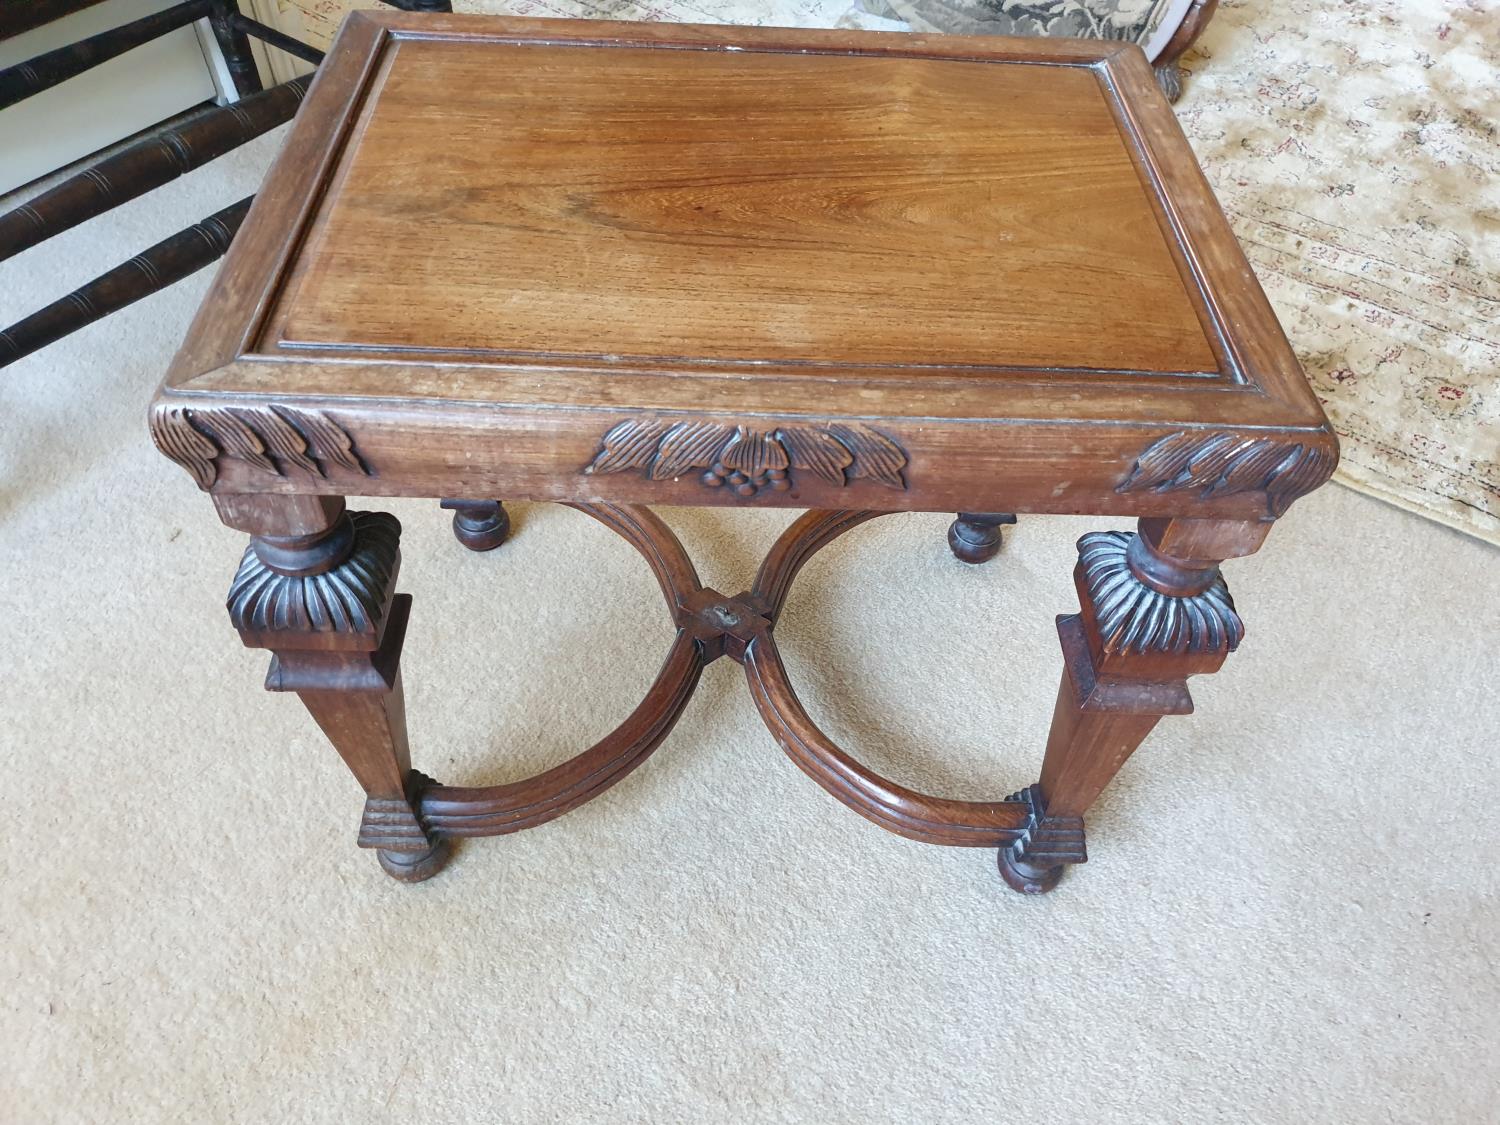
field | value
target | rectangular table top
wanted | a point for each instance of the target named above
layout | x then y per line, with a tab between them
575	260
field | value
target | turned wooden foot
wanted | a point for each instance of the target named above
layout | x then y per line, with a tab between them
480	525
1027	878
414	867
975	536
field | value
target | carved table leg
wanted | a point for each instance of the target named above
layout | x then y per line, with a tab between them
316	587
1149	620
480	525
975	536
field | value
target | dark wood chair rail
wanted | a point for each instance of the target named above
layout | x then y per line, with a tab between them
47	70
166	263
146	165
17	16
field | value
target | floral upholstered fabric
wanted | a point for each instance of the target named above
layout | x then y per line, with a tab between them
1134	21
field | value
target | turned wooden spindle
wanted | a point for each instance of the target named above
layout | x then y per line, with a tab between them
234	45
147	164
47	70
168	261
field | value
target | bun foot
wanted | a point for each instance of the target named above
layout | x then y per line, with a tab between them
414	867
1027	878
975	536
480	525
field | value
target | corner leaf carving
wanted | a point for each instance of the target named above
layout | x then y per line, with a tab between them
747	460
275	439
1218	464
1133	617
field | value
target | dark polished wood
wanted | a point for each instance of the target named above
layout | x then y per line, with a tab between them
324	603
47	70
280	40
716	265
234	45
17	16
146	164
824	282
167	262
480	525
1168	70
975	537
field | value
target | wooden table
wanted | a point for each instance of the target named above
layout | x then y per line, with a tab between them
612	265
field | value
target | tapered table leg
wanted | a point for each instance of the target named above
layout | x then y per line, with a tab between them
321	596
1149	620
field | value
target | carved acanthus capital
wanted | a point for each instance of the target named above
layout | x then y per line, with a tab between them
1135	616
342	606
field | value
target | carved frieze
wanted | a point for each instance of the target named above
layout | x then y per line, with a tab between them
746	460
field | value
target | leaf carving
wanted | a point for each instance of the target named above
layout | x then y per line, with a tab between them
817	451
689	445
174	435
1220	464
749	459
753	454
630	445
875	455
275	439
325	441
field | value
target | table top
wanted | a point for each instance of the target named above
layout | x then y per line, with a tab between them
602	261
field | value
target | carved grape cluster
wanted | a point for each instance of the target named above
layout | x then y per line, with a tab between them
719	474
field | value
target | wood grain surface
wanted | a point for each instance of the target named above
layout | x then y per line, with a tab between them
708	206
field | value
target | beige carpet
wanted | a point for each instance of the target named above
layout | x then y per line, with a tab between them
1292	912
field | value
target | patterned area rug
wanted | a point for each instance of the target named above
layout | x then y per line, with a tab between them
1356	149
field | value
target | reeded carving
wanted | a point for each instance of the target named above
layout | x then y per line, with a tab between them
347	599
276	439
1133	617
1049	840
391	824
747	460
1217	464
